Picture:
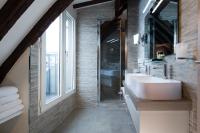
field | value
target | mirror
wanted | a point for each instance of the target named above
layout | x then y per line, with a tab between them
161	29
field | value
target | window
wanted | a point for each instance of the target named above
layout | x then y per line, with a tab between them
69	52
57	61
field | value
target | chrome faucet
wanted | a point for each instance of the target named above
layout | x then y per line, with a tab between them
147	69
165	71
171	72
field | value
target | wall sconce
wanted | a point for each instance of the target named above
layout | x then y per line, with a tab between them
136	39
139	39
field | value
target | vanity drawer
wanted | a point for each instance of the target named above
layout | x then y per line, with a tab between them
135	115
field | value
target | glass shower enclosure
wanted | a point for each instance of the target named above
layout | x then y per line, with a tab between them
110	60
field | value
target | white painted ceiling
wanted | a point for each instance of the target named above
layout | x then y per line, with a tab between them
80	1
22	27
2	2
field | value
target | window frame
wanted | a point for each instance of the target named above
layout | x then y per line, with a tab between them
63	94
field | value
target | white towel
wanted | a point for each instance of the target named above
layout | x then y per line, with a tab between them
10	116
7	90
7	99
6	114
10	105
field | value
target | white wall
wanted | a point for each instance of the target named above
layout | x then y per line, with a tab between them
80	1
19	77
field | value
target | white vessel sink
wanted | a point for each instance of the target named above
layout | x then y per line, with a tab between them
131	77
153	88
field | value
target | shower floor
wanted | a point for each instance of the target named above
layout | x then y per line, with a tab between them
108	93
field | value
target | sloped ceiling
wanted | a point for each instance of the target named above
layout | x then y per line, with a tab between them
80	1
23	26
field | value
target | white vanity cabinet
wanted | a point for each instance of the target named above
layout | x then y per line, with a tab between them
135	115
158	116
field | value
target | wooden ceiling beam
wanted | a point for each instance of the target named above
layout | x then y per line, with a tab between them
58	7
120	6
10	13
89	3
109	27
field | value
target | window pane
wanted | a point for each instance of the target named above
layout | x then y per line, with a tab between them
67	35
69	53
52	61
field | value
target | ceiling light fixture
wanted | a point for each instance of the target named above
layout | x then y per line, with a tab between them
159	3
115	40
110	40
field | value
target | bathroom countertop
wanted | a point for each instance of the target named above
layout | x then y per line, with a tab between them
153	105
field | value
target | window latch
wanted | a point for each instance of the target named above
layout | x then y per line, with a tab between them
67	53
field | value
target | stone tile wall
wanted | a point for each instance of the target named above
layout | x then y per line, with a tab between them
49	120
87	42
132	29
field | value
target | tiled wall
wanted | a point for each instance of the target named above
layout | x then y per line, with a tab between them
87	42
183	70
49	120
132	28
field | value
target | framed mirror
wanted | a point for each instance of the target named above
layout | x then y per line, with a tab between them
161	29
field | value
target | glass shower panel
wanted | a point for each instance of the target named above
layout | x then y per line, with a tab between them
110	66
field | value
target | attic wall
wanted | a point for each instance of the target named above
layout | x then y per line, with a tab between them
20	69
87	42
29	120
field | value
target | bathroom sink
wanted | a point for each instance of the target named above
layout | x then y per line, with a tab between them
131	77
153	88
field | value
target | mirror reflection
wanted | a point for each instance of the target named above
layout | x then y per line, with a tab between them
161	29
